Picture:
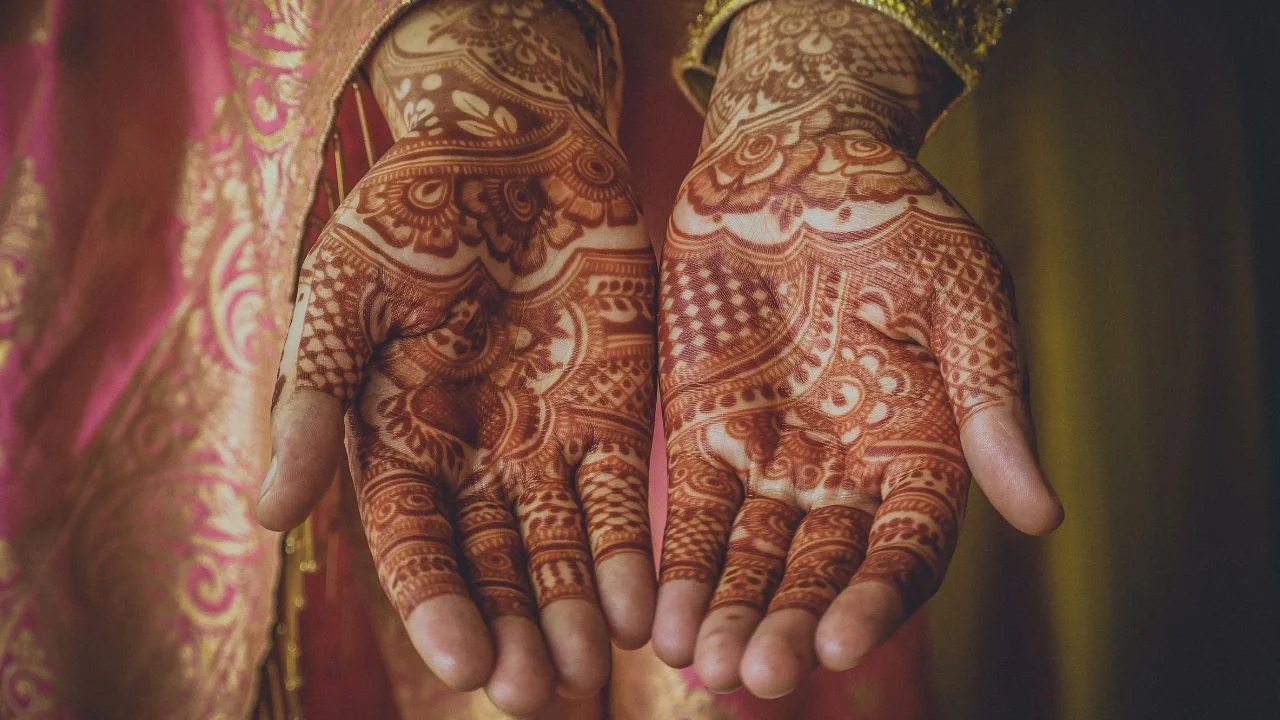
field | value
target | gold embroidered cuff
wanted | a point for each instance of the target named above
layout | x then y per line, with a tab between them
962	32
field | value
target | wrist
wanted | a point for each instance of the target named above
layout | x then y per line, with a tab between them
846	68
444	50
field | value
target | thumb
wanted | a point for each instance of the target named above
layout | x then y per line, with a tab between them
973	338
320	371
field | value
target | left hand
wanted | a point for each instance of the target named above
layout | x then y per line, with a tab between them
479	313
836	338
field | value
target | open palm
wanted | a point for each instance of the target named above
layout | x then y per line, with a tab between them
480	310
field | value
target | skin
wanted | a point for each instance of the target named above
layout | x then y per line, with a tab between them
837	356
476	323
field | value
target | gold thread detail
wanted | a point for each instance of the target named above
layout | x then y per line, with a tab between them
962	32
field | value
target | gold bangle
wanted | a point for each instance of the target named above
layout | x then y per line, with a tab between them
962	32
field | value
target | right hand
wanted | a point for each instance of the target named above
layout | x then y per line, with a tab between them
480	310
837	352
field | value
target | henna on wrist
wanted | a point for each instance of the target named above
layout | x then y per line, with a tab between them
533	49
861	66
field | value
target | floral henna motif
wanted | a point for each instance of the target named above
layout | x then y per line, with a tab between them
830	317
483	304
784	54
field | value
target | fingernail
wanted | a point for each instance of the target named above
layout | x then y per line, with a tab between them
269	479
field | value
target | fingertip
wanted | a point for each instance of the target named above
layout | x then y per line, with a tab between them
268	481
452	639
722	641
522	681
1048	517
997	446
861	618
780	653
628	592
578	641
716	670
680	608
307	447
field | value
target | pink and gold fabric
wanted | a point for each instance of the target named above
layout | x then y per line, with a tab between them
159	162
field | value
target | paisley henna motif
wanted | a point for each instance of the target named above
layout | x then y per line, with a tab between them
829	318
484	303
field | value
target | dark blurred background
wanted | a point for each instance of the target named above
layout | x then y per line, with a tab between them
1124	157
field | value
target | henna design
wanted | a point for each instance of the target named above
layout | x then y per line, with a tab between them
483	303
701	505
829	544
830	317
757	553
783	54
495	558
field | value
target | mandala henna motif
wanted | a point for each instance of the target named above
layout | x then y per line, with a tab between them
829	318
483	302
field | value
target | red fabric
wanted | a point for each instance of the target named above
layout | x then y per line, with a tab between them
343	672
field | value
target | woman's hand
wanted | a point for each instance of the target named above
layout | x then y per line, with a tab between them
836	338
480	309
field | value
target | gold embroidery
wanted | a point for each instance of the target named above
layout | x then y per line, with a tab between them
26	678
962	32
23	230
25	675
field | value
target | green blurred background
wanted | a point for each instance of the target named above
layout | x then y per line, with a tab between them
1123	156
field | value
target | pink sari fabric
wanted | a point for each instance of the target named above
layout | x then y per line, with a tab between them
159	160
159	165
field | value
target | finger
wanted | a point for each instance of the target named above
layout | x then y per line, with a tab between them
753	566
757	553
563	584
861	618
522	678
911	541
973	338
780	653
702	502
722	639
996	442
307	446
579	642
320	369
449	634
828	546
612	484
494	560
677	617
404	516
494	557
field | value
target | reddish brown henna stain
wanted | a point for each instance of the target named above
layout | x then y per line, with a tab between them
484	302
829	317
